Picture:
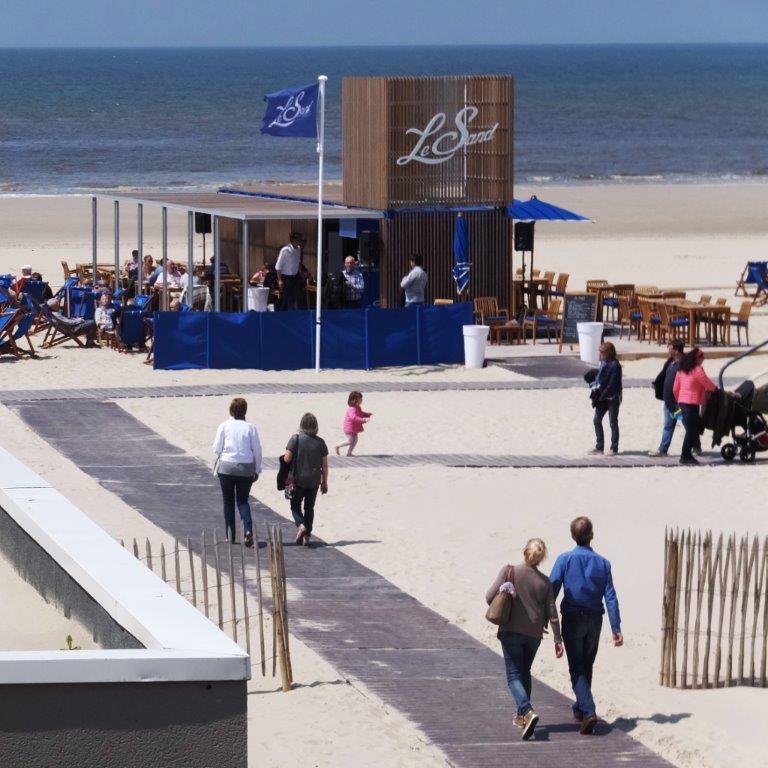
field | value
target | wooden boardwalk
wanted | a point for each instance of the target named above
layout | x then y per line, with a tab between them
449	684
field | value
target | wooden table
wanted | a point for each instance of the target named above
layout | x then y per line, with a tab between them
506	329
532	288
711	314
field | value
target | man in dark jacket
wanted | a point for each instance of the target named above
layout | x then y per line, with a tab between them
607	388
663	386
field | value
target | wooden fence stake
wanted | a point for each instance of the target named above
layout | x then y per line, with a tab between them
177	565
192	572
205	576
232	594
218	579
259	597
148	550
135	549
245	603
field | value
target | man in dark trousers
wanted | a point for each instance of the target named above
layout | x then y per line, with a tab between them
586	580
663	385
288	267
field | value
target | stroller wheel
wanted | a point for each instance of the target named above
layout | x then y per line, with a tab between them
747	454
728	452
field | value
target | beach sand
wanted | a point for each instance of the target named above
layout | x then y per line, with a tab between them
462	524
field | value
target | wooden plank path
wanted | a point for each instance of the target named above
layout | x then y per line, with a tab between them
446	682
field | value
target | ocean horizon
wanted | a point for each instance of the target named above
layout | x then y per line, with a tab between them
80	119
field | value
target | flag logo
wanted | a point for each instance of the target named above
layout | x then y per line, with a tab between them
292	112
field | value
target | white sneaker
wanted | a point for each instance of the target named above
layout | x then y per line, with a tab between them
613	453
595	452
656	454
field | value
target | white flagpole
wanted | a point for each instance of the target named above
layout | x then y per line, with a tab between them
320	152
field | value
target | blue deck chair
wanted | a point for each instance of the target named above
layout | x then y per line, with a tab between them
758	276
8	322
6	281
184	307
35	289
82	303
20	331
131	329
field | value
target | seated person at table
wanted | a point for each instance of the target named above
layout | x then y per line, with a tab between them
147	268
105	312
265	277
131	267
173	276
210	270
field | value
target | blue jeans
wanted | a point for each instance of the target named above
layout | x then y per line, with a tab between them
670	422
519	653
581	635
235	488
611	407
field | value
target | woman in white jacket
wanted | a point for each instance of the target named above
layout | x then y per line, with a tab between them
238	466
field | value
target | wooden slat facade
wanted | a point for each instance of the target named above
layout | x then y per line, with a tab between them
431	236
428	141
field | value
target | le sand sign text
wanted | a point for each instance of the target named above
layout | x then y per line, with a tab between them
427	141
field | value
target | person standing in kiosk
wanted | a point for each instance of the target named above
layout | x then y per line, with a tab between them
287	268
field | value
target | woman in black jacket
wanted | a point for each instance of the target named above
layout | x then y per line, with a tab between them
606	398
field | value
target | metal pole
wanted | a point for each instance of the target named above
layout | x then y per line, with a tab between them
216	266
244	270
320	153
190	257
165	258
94	236
117	245
140	238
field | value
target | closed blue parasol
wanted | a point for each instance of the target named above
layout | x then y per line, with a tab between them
461	254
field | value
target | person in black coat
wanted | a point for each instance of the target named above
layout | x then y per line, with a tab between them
663	386
606	398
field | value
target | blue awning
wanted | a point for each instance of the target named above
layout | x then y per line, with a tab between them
537	210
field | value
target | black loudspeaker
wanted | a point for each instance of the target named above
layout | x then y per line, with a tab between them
203	223
524	236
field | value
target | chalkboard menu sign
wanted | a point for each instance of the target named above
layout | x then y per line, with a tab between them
579	308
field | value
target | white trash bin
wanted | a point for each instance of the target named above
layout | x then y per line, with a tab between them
590	337
258	298
475	341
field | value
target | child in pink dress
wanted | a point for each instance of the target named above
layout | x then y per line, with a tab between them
354	419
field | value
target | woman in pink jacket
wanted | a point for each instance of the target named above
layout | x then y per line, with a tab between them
691	387
354	419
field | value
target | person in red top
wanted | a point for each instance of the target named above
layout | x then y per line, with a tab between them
17	286
691	386
354	419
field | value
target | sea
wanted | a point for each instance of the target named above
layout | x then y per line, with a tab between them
74	120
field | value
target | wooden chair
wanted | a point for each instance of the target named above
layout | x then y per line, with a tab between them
535	273
670	326
646	289
593	286
68	271
673	294
511	328
629	316
560	285
487	312
611	298
442	302
549	319
649	320
720	302
742	320
704	299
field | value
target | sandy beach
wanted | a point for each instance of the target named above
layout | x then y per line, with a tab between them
440	534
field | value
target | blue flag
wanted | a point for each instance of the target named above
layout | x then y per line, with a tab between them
292	112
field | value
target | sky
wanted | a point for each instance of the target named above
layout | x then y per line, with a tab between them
369	22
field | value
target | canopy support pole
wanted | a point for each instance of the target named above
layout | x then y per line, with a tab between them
140	239
94	235
190	258
244	269
165	258
216	266
117	246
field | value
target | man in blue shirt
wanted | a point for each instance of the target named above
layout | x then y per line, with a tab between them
586	580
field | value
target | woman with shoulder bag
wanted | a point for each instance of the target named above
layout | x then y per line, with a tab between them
606	398
238	466
520	631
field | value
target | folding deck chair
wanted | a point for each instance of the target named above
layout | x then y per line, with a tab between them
8	323
57	332
131	329
20	331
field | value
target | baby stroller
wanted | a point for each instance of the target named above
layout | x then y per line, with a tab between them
746	423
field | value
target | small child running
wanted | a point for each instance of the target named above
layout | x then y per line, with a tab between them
354	419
